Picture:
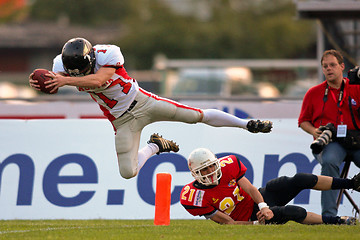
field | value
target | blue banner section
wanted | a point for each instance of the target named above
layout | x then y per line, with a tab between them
52	177
68	169
26	176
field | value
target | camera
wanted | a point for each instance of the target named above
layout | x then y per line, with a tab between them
328	131
354	76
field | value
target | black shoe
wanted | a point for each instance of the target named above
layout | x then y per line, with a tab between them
356	181
256	126
163	144
344	220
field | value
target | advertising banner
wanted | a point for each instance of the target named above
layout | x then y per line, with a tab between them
67	169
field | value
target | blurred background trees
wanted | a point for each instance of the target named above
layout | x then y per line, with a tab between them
153	33
226	29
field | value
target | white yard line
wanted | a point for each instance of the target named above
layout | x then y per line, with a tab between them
64	228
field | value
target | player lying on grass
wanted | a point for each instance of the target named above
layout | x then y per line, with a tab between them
100	71
222	193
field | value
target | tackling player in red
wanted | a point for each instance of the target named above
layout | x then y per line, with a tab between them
100	71
222	193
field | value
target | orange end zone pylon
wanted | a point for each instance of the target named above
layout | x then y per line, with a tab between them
162	199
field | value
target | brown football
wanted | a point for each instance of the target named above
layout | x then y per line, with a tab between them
39	75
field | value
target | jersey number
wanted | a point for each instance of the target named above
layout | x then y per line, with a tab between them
224	161
125	85
112	102
186	190
109	102
227	205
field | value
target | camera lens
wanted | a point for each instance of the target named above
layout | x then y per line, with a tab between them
318	145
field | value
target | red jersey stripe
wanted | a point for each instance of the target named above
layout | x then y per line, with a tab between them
169	101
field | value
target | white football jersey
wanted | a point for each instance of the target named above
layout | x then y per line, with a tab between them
116	94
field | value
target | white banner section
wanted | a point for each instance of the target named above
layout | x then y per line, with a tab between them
67	169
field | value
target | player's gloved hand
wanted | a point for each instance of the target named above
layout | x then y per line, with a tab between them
256	126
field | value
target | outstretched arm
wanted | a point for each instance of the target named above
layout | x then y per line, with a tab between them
92	80
265	213
222	218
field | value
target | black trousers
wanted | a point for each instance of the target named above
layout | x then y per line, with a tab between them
280	191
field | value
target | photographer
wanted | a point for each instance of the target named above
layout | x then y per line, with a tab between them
330	113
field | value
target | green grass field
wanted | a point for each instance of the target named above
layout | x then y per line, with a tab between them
178	229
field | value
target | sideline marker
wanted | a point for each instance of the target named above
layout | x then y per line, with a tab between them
162	199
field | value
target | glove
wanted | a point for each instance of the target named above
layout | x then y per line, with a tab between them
256	126
354	76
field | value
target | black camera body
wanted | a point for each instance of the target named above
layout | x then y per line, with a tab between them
354	76
328	133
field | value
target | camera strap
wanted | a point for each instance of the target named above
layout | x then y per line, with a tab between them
341	94
340	99
325	98
352	115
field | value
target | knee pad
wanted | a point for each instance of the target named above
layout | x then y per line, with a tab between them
305	180
283	214
125	173
295	213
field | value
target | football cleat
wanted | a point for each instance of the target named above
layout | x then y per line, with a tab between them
163	144
356	181
256	126
344	220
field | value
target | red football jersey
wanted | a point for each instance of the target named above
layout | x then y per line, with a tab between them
226	197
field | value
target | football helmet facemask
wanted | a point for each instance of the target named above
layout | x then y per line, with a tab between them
78	57
202	158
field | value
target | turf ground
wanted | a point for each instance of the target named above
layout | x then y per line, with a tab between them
178	229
